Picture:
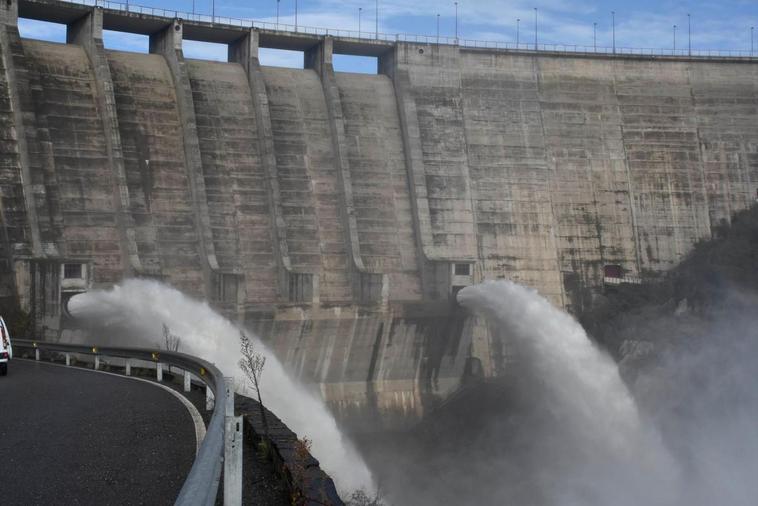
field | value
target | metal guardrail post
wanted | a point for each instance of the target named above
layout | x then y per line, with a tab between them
128	367
159	372
68	359
209	399
187	381
232	450
233	461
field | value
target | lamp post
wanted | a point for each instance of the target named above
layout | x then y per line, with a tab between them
277	13
295	15
752	29
674	39
518	23
377	19
535	29
594	35
360	11
213	11
456	22
689	35
438	28
613	25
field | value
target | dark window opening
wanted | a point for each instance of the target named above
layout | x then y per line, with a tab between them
73	271
613	271
226	291
300	287
463	269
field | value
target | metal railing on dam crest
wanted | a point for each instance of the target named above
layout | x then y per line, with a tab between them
240	23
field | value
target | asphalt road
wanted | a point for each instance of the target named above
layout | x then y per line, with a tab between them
71	436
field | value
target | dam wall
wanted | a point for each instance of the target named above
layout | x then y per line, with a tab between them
337	214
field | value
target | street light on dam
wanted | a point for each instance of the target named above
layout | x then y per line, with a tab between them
594	36
689	34
518	23
456	22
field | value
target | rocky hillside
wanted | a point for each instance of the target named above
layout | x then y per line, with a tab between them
717	281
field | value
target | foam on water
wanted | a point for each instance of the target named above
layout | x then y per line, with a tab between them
139	308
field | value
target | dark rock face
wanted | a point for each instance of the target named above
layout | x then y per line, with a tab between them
717	280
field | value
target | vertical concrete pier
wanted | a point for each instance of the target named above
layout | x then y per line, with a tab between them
88	33
293	286
368	287
168	43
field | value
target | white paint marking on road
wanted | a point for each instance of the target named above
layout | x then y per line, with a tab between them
197	420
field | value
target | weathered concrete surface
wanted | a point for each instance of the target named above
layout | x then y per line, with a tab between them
510	173
337	214
585	153
161	201
235	181
88	33
435	74
308	179
379	181
83	189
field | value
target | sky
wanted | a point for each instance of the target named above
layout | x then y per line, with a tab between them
717	25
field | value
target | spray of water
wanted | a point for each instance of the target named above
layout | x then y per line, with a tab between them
133	313
591	407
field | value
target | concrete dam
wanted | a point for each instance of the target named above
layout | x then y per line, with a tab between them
337	214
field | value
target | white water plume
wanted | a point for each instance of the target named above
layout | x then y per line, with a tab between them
135	310
605	450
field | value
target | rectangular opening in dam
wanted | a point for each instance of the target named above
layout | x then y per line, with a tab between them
357	64
281	58
123	41
72	271
41	30
198	50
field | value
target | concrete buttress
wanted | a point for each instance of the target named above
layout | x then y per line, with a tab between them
88	33
168	43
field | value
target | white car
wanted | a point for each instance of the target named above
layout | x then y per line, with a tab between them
6	349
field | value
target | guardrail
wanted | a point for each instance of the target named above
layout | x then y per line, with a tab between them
202	483
408	37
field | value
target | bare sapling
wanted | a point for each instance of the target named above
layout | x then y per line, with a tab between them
252	364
